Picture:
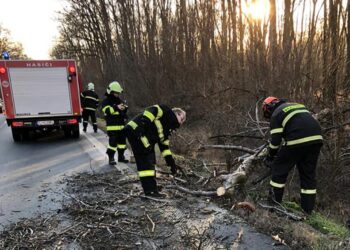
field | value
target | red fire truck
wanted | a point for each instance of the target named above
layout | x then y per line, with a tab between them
40	95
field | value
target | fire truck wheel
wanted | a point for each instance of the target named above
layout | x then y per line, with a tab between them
76	132
67	133
17	134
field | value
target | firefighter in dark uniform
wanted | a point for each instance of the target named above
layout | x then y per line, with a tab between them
151	127
295	140
89	102
114	110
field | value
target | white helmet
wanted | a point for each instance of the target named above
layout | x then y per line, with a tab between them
91	86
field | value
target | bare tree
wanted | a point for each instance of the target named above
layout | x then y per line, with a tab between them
273	42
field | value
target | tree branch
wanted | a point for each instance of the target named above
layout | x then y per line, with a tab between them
229	147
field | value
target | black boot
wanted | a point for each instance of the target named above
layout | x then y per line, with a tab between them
121	157
308	202
278	194
155	194
111	160
95	127
85	124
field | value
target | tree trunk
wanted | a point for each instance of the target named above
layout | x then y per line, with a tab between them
347	77
288	35
273	44
333	66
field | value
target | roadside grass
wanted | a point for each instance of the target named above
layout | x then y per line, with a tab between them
321	223
327	226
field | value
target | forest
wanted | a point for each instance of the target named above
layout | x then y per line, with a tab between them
217	59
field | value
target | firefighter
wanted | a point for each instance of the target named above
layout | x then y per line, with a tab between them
295	139
89	103
114	110
151	127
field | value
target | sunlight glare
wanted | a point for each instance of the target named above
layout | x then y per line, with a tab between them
257	9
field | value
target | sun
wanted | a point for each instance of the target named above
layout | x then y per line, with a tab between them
257	9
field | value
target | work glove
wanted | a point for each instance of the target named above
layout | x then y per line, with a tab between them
171	163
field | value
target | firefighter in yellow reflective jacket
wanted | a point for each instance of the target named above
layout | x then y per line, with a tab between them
151	127
115	110
89	102
295	140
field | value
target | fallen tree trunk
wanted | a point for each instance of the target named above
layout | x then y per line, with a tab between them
239	176
230	181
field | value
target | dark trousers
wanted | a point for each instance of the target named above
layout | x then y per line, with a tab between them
92	114
305	158
145	161
117	142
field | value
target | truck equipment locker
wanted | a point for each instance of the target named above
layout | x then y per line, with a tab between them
41	95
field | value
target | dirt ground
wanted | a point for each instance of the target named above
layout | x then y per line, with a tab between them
108	211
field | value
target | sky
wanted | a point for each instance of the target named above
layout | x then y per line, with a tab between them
32	23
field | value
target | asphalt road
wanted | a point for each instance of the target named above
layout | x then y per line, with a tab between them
31	171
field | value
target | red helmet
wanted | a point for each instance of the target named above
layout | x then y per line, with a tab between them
269	105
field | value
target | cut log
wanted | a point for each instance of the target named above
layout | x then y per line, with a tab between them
239	176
